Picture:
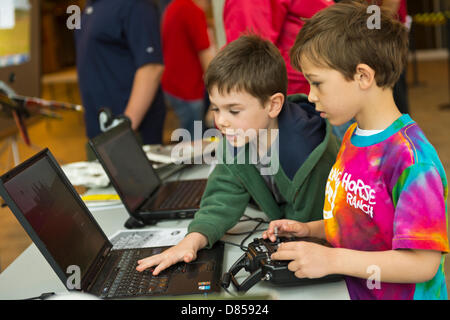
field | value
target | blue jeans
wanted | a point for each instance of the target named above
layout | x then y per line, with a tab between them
187	111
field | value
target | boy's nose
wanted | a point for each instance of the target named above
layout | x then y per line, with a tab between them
221	121
312	97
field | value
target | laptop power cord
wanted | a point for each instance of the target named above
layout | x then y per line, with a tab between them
43	296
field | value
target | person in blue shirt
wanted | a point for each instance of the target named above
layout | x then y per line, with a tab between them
119	65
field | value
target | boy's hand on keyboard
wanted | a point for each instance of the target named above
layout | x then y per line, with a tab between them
185	251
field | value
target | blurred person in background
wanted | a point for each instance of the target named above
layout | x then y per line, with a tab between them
119	65
187	52
276	20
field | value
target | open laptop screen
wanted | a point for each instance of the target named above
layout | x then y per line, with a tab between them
127	165
58	219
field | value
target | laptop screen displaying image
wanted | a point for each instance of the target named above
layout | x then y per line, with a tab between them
136	180
52	210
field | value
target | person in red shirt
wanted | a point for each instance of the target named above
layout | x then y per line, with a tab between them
397	7
187	52
276	20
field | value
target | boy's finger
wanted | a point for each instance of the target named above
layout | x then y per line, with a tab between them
268	234
146	263
283	255
188	257
162	266
273	225
291	245
299	274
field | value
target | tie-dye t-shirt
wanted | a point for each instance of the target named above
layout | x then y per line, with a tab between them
388	191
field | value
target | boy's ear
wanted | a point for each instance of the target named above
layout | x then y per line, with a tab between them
276	102
365	76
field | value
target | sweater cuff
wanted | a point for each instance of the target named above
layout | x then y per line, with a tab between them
208	230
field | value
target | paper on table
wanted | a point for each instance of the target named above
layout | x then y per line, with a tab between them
86	173
145	238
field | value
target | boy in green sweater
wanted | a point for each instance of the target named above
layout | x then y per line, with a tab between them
247	84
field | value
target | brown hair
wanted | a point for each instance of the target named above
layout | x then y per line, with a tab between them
339	37
248	63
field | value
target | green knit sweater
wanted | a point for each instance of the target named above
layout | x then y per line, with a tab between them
231	185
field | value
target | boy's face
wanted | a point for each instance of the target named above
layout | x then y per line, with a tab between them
336	98
239	115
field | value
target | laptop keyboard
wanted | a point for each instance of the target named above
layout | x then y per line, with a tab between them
126	281
186	194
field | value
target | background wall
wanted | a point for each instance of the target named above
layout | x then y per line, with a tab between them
25	78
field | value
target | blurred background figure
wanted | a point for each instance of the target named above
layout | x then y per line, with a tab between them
399	9
276	20
119	63
187	52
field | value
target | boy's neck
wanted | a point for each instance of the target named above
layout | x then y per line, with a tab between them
265	141
379	110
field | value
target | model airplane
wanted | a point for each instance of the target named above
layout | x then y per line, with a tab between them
20	108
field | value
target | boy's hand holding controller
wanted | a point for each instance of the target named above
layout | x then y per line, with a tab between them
286	228
185	250
309	260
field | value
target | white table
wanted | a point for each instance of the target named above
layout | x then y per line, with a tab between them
30	275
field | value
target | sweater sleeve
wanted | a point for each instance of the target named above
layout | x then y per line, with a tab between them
222	205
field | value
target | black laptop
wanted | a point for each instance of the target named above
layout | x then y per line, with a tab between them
145	197
59	223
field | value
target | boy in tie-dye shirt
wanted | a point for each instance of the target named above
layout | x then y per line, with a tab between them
385	210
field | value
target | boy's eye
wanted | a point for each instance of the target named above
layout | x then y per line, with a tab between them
316	84
234	112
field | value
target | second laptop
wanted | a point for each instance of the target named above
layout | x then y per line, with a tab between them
144	195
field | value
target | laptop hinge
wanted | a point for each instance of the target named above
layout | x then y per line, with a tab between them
148	200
